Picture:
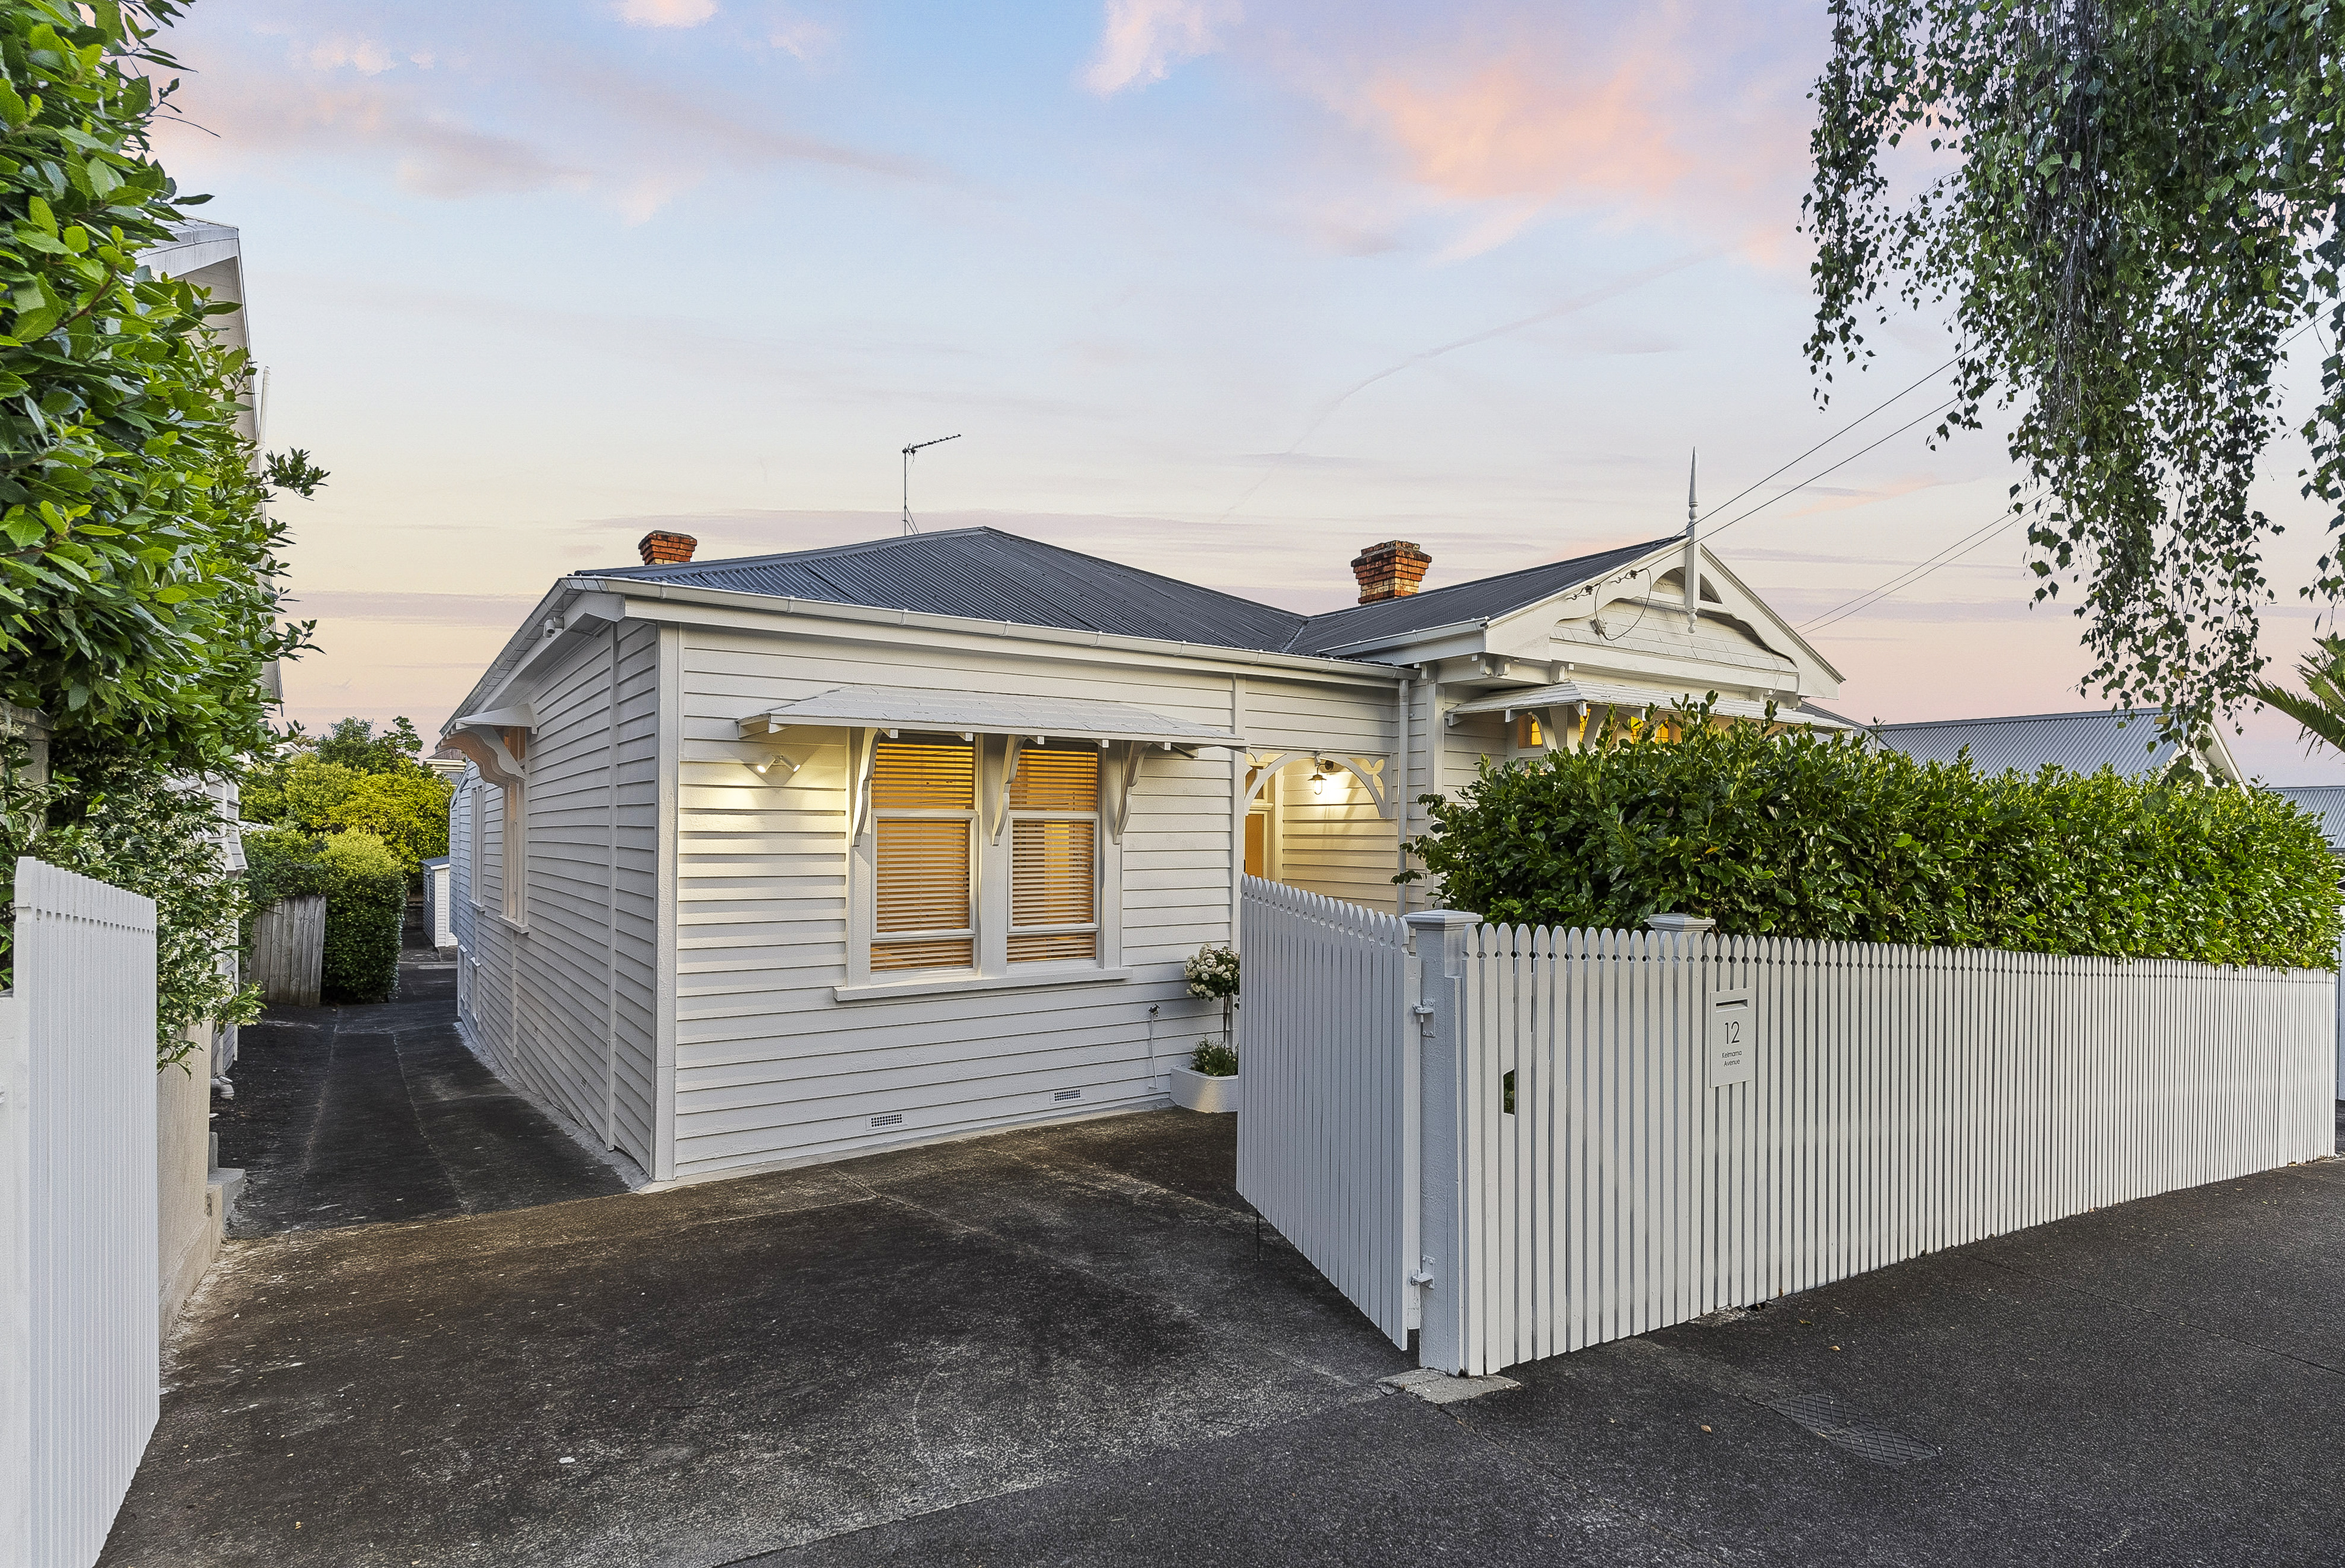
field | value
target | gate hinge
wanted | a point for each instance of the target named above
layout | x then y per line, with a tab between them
1424	1010
1420	1277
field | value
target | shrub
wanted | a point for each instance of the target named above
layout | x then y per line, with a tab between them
1802	835
1213	1059
119	821
365	901
407	811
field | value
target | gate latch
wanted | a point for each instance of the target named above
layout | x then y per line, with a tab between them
1424	1010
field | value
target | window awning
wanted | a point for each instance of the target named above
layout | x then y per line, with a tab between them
1603	694
904	708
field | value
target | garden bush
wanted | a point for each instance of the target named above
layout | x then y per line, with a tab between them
365	901
1798	834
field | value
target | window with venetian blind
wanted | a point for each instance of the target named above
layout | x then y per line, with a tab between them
1054	801
924	822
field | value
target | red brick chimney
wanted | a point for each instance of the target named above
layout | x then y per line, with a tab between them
1389	570
662	549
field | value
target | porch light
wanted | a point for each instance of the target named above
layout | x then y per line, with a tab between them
1318	779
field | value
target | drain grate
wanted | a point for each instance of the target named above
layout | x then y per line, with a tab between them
1843	1427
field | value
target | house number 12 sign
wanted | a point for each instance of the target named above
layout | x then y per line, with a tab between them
1732	1041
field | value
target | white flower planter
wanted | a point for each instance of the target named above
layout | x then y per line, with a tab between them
1198	1091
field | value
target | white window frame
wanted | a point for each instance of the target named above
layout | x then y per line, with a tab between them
992	829
514	851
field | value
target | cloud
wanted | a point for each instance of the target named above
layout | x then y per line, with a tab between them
1839	499
666	12
432	154
644	146
795	35
362	55
1142	40
1506	134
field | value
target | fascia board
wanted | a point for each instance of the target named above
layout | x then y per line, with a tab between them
667	602
495	680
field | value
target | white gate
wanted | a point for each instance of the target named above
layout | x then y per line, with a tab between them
1616	1131
1327	1125
80	1373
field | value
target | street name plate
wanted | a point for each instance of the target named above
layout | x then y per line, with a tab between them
1732	1041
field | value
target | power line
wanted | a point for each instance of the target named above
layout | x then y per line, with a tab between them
1843	462
1912	575
1835	435
1953	552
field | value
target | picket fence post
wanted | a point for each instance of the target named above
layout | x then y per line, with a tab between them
1437	940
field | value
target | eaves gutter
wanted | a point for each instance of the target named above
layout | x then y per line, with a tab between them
862	615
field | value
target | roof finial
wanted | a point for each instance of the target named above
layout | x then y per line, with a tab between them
1693	547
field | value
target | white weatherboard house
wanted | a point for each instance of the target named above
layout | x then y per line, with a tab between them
771	860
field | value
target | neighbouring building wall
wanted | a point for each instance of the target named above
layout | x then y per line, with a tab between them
187	1228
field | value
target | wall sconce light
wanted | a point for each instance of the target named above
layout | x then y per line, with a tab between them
1318	779
770	765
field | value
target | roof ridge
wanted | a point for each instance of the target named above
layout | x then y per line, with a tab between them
858	547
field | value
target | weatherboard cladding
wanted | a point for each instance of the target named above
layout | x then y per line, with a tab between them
984	573
2128	740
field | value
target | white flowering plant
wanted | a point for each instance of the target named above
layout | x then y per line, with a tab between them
1213	971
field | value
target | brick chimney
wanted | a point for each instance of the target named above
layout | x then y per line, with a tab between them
662	549
1389	570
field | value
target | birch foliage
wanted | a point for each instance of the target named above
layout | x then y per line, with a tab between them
2133	223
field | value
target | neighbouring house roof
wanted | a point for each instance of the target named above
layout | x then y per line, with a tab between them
2126	740
2326	801
984	713
988	575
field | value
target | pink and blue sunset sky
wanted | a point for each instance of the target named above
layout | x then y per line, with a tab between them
1224	289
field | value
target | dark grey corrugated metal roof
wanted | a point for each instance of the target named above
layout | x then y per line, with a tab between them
2326	801
989	575
2124	739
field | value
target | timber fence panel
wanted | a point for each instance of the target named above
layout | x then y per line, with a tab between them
289	949
78	1284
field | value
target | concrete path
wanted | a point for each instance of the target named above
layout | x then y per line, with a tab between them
355	1115
1064	1347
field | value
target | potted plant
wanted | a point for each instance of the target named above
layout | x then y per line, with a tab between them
1209	1081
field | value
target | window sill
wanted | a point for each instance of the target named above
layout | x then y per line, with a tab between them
519	928
884	989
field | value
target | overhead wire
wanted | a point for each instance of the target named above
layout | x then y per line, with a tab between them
1835	435
1954	552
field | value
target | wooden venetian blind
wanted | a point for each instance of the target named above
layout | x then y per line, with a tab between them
922	909
1052	882
1050	781
912	775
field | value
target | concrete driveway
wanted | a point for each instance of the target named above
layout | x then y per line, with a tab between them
1065	1347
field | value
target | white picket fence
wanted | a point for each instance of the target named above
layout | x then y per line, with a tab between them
79	1372
1617	1131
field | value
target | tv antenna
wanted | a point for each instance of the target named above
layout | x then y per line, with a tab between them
910	526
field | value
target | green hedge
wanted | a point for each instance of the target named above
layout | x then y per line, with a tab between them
1802	835
366	901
